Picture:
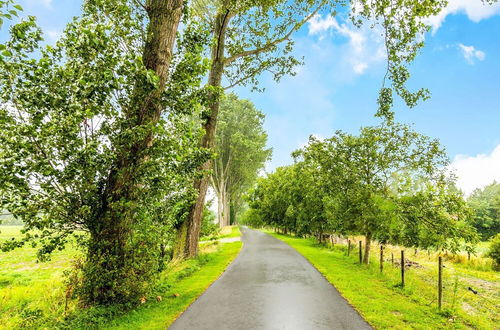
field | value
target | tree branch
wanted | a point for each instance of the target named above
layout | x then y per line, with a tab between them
272	44
140	4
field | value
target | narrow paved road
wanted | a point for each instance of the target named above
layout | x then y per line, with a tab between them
270	286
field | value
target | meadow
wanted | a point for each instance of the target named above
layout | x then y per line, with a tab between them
33	294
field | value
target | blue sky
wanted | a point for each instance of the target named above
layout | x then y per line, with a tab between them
338	85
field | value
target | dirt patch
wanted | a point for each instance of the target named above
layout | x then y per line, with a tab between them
482	285
468	308
408	264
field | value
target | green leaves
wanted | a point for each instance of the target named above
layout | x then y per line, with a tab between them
79	116
485	204
240	148
388	183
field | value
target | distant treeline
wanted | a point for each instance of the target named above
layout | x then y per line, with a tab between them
485	204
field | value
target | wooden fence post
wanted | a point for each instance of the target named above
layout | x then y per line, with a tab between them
402	268
360	252
348	247
392	259
381	258
440	282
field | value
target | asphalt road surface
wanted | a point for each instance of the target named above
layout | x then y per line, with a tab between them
270	286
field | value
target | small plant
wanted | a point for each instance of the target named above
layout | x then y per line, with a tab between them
30	317
494	251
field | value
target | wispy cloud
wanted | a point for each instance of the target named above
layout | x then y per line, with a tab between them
44	3
477	171
470	53
365	44
320	26
53	35
476	10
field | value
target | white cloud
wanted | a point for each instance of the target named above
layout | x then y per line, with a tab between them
470	53
45	3
360	68
477	171
318	25
54	35
365	44
305	143
476	10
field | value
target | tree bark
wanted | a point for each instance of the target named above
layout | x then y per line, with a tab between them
187	239
223	205
368	240
110	235
227	210
232	212
220	206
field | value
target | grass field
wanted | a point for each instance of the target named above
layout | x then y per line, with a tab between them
384	304
32	294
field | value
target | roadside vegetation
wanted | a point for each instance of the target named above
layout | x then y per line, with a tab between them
471	297
35	294
388	188
108	144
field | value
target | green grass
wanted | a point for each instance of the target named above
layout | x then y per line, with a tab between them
189	281
30	290
32	295
234	232
384	304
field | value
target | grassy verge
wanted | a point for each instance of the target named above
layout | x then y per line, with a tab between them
32	295
384	304
185	282
230	231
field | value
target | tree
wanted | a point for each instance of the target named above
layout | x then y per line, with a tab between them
241	153
251	37
388	183
359	173
358	170
494	251
237	25
104	147
432	213
485	204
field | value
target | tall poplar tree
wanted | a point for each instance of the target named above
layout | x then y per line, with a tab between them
254	36
240	153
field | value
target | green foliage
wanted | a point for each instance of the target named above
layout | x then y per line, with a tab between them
259	37
485	204
208	225
494	251
73	129
241	151
387	183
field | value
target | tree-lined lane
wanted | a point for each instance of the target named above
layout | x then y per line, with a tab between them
270	286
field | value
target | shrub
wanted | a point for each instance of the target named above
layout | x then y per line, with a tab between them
208	225
494	251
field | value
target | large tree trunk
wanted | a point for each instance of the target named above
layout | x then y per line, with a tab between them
110	273
220	206
232	212
189	233
223	206
227	210
368	240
